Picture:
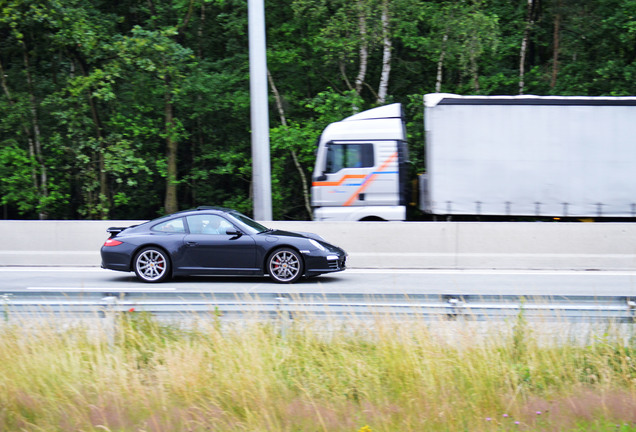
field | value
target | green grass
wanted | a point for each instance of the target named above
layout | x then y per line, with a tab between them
386	375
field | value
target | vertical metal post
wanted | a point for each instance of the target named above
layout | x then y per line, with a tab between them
283	314
261	170
110	319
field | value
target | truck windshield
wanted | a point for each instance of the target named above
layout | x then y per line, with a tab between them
341	156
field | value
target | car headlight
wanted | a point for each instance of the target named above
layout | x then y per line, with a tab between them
317	245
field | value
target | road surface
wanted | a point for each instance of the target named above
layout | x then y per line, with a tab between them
366	281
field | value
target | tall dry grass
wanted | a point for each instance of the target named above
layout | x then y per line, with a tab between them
388	374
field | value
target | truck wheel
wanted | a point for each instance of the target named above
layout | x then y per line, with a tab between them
285	265
152	265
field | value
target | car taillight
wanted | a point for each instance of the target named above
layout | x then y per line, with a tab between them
112	242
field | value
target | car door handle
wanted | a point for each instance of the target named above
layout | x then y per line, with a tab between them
192	243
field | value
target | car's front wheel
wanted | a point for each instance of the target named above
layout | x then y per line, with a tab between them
285	266
152	265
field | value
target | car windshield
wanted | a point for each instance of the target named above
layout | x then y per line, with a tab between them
254	226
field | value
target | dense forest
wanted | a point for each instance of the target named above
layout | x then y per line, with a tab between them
129	109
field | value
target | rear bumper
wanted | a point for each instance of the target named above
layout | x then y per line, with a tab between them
117	257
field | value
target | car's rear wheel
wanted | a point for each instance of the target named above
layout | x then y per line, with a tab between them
152	265
285	265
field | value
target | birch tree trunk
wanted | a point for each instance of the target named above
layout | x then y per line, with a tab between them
364	47
524	46
386	55
440	64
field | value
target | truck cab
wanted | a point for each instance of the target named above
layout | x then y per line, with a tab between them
361	168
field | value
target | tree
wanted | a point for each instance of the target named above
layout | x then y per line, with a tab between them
465	32
19	19
530	19
134	108
386	54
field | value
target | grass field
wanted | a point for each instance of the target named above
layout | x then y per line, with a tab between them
387	374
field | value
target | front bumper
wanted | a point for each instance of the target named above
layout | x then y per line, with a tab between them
328	263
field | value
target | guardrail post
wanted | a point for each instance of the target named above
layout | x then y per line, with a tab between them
110	321
456	308
631	305
6	299
283	313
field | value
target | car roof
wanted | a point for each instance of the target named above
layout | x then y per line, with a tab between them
220	209
201	208
181	213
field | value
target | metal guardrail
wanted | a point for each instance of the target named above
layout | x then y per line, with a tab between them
619	309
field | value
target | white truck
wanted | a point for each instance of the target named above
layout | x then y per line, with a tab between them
539	156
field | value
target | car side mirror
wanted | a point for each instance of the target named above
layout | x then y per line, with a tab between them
234	233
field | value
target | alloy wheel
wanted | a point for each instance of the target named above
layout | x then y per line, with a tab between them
285	266
151	265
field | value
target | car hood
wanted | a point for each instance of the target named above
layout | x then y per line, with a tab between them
308	235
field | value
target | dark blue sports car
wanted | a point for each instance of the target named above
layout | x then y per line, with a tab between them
217	241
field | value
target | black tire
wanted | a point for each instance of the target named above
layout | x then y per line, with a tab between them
285	265
152	265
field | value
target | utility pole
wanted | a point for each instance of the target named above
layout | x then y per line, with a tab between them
261	168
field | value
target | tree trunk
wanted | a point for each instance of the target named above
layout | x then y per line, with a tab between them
25	129
440	64
37	144
474	72
364	47
386	55
555	45
104	195
172	146
299	168
104	198
200	135
343	72
524	46
200	32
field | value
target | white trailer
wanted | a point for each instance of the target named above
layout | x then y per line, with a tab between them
530	155
558	156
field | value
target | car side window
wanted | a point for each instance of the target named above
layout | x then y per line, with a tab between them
208	224
171	226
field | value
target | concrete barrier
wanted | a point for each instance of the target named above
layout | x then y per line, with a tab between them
429	245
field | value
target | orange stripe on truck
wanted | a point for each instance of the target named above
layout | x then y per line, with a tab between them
370	180
339	182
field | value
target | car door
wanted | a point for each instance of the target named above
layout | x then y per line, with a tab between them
214	245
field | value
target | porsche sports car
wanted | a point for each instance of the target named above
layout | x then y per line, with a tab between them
217	241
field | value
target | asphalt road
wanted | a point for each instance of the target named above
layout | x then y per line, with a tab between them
385	281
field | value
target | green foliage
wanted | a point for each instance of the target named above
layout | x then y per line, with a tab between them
96	95
16	169
295	142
